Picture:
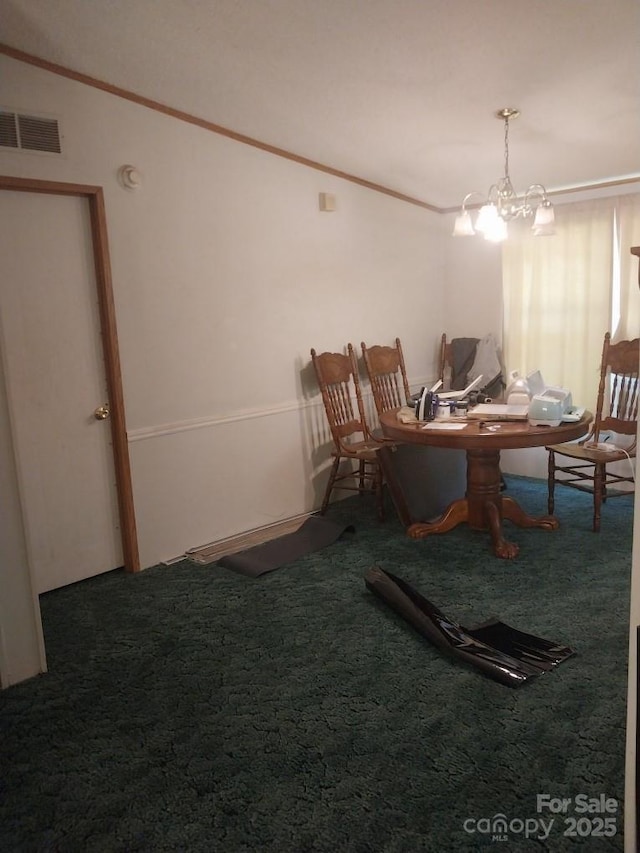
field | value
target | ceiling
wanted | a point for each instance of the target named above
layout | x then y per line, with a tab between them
402	93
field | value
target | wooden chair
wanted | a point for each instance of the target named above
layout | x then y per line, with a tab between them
616	411
337	376
387	375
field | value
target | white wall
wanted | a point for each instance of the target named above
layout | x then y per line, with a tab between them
21	643
473	276
225	273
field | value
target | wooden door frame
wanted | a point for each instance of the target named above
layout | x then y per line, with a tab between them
102	264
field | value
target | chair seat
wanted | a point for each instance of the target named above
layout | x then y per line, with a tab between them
363	449
593	455
360	451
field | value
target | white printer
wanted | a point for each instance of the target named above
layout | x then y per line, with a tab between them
549	404
545	410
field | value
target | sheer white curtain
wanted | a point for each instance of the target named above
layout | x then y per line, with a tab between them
557	295
628	235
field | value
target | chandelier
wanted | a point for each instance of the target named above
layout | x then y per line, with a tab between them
501	204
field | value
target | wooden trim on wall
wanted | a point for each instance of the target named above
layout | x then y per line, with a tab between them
102	263
142	101
601	185
206	125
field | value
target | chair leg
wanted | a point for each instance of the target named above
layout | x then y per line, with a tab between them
551	482
369	479
598	490
329	489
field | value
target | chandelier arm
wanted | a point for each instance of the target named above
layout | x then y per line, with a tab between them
536	191
469	196
493	196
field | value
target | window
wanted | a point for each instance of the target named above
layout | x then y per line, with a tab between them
562	293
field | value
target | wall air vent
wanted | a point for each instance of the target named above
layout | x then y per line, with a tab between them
29	133
8	130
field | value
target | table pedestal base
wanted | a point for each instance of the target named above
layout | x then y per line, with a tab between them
483	507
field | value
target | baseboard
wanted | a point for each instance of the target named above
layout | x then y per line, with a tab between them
214	551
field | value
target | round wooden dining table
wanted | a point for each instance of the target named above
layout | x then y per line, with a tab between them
483	506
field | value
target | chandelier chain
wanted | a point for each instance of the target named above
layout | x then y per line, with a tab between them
506	147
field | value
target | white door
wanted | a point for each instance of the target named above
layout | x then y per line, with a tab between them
54	372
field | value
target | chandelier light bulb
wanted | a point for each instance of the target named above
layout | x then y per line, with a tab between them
544	215
463	226
487	218
497	232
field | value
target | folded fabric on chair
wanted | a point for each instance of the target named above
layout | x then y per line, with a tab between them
463	353
488	364
503	653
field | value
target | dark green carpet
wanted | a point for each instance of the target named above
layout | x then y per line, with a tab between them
189	708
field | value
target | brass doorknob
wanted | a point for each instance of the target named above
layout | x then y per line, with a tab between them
102	412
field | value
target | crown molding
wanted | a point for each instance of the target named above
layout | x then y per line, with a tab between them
87	80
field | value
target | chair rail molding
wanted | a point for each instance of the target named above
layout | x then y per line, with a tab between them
207	422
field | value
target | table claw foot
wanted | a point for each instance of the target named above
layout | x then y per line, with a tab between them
547	522
501	548
505	550
512	511
419	530
454	514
